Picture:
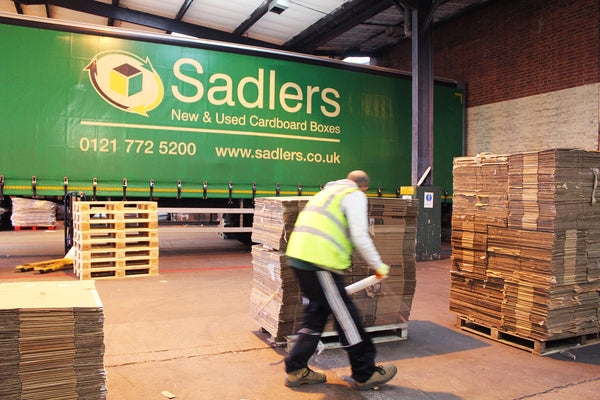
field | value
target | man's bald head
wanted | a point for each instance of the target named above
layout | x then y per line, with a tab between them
360	178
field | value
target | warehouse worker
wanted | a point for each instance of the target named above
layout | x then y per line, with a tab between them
331	224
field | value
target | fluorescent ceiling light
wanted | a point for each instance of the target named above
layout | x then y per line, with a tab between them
358	60
279	6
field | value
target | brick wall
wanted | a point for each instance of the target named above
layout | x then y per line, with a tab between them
516	49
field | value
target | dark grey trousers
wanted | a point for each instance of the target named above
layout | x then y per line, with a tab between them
327	295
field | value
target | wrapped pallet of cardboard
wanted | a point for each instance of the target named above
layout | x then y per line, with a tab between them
32	213
276	303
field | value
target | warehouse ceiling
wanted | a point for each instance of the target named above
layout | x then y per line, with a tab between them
335	28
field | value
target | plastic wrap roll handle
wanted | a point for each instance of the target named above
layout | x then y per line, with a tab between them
363	284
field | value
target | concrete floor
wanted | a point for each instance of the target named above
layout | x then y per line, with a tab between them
188	332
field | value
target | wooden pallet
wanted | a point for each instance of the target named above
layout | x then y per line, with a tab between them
113	217
331	340
115	268
109	273
124	254
112	225
111	243
99	206
534	346
107	234
115	262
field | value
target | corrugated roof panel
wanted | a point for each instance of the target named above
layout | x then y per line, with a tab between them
391	16
221	15
7	6
382	30
358	34
280	28
300	15
35	10
324	6
162	8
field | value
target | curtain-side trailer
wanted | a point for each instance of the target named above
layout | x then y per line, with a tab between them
114	113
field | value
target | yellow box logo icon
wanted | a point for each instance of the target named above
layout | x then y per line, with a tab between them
126	80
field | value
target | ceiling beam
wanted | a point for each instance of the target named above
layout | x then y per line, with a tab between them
111	21
18	7
253	18
405	4
184	8
429	18
332	25
150	20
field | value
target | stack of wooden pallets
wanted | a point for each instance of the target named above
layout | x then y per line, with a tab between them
530	267
276	302
52	343
115	239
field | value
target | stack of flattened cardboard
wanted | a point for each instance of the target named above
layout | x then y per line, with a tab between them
480	199
535	271
274	220
275	298
276	302
51	341
394	233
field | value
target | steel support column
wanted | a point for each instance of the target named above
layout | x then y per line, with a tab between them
422	91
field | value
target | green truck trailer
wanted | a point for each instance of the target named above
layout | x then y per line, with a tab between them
113	113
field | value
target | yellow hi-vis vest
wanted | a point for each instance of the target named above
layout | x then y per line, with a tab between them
321	235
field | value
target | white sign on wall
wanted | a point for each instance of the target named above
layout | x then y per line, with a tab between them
428	197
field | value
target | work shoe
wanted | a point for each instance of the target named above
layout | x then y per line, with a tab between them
304	375
379	377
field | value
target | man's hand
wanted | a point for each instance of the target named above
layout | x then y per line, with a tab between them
382	271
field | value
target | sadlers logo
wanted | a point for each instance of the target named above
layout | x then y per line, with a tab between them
126	81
